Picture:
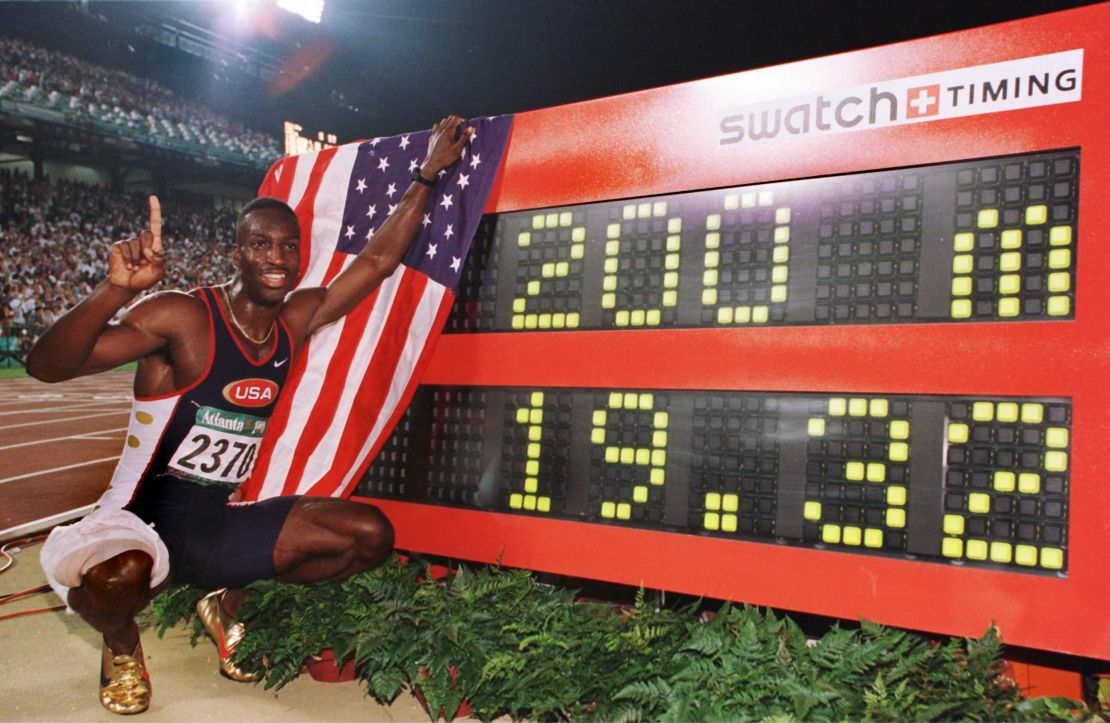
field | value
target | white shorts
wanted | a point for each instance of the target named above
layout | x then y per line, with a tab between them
71	550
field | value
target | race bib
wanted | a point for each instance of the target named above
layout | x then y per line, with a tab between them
220	448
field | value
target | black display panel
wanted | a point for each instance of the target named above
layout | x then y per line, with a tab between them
960	480
985	240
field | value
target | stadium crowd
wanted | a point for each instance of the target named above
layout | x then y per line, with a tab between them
135	106
54	240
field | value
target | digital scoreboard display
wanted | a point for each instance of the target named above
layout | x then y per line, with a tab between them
976	241
964	480
854	363
979	481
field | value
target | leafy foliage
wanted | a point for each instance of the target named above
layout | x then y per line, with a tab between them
511	646
177	604
287	623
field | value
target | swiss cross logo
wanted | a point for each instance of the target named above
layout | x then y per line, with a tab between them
922	101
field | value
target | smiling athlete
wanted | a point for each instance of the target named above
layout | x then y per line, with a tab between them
211	363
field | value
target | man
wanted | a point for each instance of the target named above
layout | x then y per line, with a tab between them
210	365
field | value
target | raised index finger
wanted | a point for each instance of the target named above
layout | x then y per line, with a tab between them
156	224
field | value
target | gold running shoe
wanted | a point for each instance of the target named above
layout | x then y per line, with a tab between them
226	638
124	682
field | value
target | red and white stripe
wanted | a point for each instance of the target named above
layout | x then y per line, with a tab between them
353	379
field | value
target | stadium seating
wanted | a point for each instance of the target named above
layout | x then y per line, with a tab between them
54	241
120	103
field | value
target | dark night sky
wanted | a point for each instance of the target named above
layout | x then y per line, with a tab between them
405	64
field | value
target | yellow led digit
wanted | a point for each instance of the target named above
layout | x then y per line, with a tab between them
757	298
534	305
995	515
531	416
651	459
832	522
646	316
999	255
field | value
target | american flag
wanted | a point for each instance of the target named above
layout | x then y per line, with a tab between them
353	379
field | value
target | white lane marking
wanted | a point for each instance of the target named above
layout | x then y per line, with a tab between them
25	399
86	435
41	472
76	407
62	421
43	523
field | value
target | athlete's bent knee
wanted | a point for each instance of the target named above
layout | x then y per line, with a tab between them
374	534
111	592
126	573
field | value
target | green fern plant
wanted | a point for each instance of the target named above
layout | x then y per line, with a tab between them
510	646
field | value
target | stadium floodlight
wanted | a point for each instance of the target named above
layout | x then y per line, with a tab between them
310	10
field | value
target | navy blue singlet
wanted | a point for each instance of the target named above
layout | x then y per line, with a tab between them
187	452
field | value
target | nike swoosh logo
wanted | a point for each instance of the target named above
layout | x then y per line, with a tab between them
279	363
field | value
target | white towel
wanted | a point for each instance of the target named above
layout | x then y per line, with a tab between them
71	550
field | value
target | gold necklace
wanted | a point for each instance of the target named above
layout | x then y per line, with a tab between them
231	313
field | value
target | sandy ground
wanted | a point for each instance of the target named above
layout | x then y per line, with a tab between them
51	673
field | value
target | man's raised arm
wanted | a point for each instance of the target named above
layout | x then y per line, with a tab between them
83	341
382	256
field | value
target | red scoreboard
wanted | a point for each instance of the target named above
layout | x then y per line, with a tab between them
831	336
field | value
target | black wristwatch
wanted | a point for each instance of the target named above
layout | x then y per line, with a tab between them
420	179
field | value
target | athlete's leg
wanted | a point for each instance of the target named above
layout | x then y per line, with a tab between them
331	539
111	594
295	539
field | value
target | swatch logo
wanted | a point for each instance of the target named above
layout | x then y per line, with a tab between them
994	88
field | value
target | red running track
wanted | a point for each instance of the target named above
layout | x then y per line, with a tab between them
58	443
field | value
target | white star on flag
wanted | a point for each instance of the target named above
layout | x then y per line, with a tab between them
464	180
404	142
446	202
361	185
383	164
412	165
476	160
360	374
392	208
350	231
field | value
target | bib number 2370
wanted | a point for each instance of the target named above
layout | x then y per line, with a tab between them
220	447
